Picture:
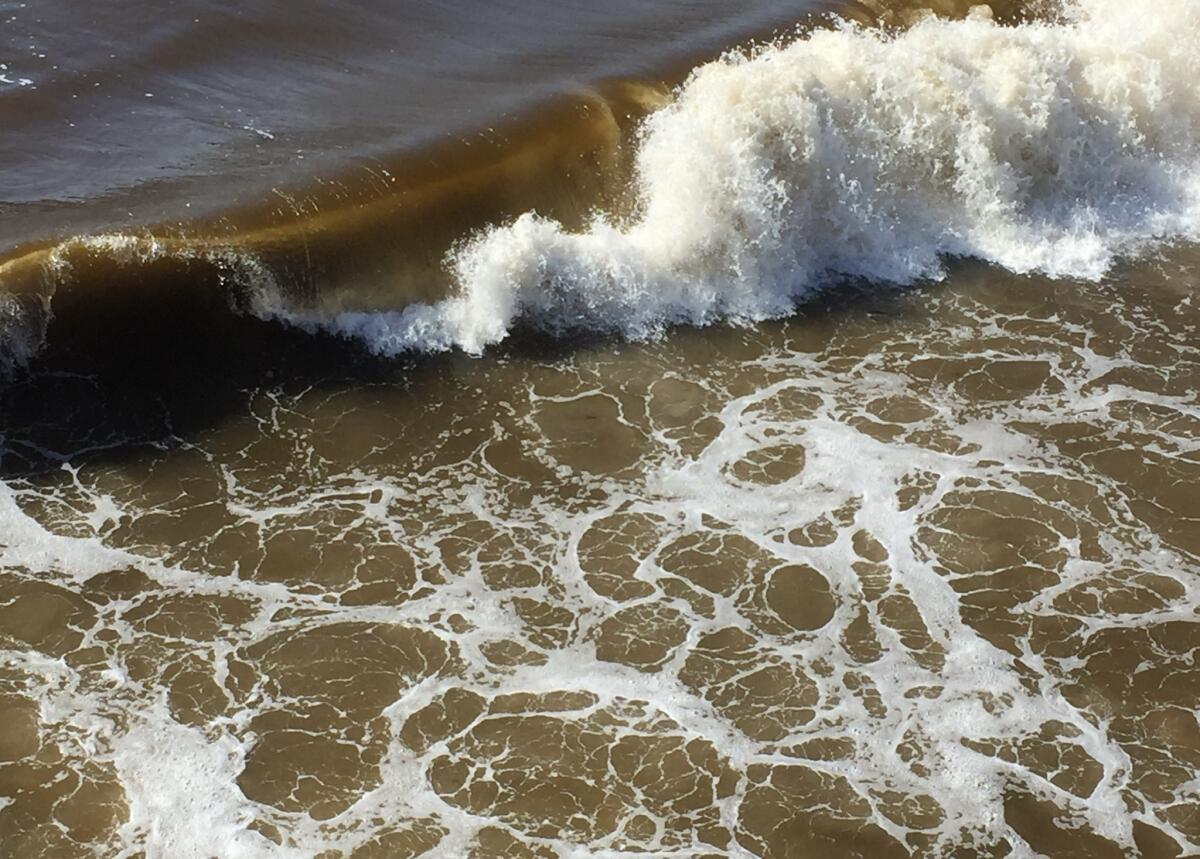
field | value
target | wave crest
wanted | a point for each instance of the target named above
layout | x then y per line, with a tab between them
858	153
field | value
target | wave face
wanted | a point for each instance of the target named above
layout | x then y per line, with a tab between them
1053	147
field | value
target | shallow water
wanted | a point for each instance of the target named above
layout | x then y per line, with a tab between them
907	571
911	571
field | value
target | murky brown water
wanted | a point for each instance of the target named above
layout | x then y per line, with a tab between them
911	572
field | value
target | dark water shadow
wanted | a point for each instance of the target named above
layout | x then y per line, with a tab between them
158	371
156	366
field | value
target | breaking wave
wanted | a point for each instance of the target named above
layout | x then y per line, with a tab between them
857	153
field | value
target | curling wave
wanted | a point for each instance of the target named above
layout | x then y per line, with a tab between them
1053	146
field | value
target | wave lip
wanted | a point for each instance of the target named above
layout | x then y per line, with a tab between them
857	153
374	239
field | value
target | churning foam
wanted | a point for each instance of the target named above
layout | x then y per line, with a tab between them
855	153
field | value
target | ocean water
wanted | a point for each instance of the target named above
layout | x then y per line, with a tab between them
561	430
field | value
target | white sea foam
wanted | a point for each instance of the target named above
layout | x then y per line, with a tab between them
852	153
183	797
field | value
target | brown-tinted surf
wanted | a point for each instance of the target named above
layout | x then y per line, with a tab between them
729	546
